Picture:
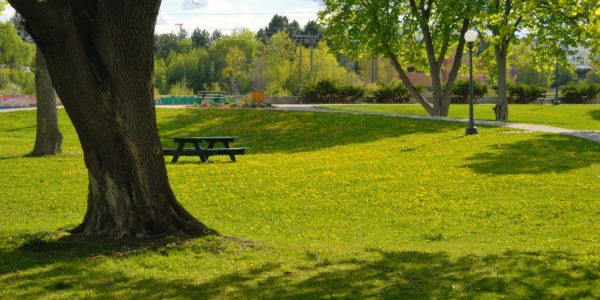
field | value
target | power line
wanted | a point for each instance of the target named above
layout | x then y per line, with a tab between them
242	14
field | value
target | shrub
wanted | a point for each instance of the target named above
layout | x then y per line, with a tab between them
523	93
460	91
326	91
350	93
391	93
576	93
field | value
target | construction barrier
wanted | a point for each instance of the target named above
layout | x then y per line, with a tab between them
258	97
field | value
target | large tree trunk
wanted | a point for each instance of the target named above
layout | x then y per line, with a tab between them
48	139
99	54
501	108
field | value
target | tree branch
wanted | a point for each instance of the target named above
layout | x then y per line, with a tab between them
457	59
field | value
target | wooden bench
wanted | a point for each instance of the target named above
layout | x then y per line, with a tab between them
204	153
547	96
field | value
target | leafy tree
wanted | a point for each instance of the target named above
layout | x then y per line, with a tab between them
244	41
160	76
415	32
552	25
326	67
105	84
273	65
195	66
164	44
313	28
215	36
14	52
235	67
201	38
278	23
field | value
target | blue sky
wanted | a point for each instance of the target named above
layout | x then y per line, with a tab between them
225	15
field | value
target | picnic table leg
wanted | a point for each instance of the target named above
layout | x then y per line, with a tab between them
203	157
177	152
232	156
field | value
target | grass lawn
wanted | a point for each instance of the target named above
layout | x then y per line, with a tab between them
578	117
337	206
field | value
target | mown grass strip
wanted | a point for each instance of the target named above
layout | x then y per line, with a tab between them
337	206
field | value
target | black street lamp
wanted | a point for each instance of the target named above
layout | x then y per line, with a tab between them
470	38
556	101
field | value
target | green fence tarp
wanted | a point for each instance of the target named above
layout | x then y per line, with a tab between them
191	100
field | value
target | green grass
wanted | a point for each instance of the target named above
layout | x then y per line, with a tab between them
578	117
338	206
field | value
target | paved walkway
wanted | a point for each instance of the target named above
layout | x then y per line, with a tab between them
593	135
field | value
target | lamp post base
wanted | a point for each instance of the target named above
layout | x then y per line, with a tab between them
471	131
556	102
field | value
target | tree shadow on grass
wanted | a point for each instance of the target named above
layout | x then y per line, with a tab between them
269	131
542	154
387	275
595	114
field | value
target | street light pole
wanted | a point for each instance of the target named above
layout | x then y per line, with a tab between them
470	38
556	101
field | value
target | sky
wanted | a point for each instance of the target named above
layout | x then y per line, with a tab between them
225	15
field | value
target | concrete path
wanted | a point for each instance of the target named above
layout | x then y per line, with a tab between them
3	110
593	135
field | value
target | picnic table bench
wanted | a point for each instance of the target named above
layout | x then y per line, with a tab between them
214	96
204	152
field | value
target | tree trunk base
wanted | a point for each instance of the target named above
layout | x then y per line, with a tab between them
91	229
49	144
120	210
501	111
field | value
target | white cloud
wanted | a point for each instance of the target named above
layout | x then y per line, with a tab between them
163	18
193	4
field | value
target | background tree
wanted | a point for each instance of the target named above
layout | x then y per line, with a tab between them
552	26
278	23
235	67
14	52
48	139
16	56
416	32
201	38
165	44
105	84
503	19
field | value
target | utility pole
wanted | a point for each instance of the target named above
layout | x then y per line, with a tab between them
300	38
180	27
300	72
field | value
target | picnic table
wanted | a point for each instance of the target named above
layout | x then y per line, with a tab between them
204	152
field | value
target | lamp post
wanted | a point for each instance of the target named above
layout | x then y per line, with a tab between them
556	101
470	38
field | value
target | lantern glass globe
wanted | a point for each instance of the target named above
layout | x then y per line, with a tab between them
471	36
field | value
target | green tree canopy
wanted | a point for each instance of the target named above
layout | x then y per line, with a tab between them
411	33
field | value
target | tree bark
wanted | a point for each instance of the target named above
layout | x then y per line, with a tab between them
501	108
48	139
99	55
409	86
